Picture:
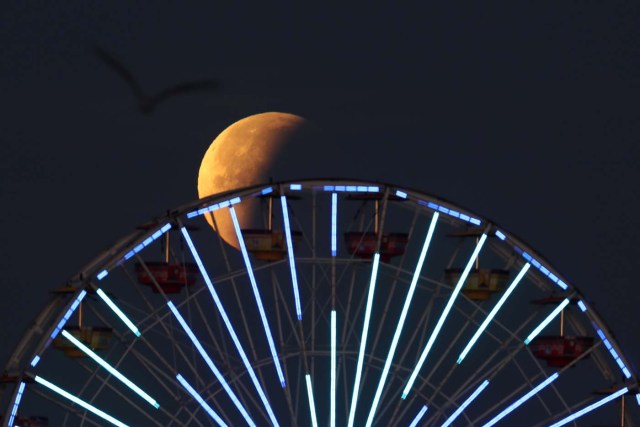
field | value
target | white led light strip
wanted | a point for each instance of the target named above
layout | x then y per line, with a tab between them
230	329
363	339
466	403
292	261
546	321
403	316
312	404
113	371
418	417
332	415
118	312
590	408
493	312
334	223
213	414
210	363
79	402
256	294
443	316
520	401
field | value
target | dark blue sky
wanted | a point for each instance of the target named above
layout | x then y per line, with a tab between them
525	113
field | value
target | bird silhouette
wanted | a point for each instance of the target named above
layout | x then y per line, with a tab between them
147	103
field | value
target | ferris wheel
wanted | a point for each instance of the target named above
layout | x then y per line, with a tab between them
355	304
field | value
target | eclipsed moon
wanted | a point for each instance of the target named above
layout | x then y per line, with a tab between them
249	152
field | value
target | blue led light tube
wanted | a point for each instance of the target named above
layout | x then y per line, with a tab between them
256	294
590	408
79	402
292	260
229	325
210	363
520	401
213	414
444	315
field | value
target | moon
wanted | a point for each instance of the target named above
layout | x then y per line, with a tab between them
251	151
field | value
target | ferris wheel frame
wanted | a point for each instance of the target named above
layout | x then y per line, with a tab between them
21	369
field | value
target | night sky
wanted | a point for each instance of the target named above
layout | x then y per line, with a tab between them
525	113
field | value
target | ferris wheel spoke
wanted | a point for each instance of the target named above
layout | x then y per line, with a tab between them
201	401
333	373
236	380
211	365
546	321
258	298
118	312
149	311
351	326
219	344
168	334
312	404
435	368
287	391
94	374
403	316
412	340
334	224
169	382
556	391
229	326
152	314
493	312
494	368
151	416
363	339
447	351
212	390
232	275
521	400
346	329
396	277
419	416
466	403
296	334
110	369
401	410
528	380
67	407
595	405
443	316
479	372
292	261
404	312
78	401
163	375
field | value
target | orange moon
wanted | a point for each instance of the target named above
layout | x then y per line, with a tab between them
251	151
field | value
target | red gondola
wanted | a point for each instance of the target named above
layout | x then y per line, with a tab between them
559	351
363	245
170	277
31	422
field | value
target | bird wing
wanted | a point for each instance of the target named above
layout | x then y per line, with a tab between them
117	66
204	85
